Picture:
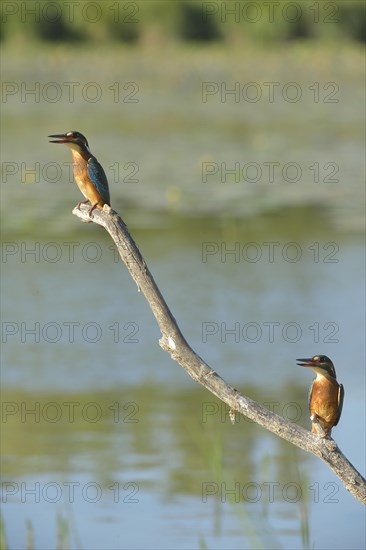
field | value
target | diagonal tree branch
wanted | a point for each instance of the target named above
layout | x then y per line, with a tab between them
173	342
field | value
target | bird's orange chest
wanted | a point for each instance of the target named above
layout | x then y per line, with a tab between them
324	397
81	172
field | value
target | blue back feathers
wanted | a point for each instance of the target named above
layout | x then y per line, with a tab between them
98	177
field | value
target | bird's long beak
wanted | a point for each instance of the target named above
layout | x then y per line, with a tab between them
61	138
305	362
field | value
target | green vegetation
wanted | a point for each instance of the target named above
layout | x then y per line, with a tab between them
3	544
187	20
63	534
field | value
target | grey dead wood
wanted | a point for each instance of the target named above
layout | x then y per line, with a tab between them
175	344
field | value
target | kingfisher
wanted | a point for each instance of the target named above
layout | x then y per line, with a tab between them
88	173
326	394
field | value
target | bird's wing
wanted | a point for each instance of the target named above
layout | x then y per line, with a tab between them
98	177
340	402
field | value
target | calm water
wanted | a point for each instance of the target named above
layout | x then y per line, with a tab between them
122	422
101	431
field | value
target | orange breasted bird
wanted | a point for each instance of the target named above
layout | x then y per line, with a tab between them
326	394
88	173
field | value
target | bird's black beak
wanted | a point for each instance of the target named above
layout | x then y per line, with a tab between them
305	362
61	138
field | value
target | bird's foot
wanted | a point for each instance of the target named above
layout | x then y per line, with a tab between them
92	208
81	202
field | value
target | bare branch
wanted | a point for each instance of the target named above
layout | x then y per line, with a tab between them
174	343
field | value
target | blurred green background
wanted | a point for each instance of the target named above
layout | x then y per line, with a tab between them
183	21
188	106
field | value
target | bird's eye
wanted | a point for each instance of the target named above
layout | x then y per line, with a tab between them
69	134
316	358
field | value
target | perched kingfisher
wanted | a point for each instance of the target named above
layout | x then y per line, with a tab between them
326	394
88	173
